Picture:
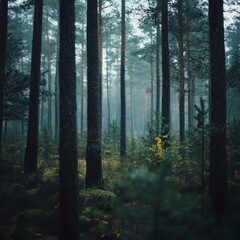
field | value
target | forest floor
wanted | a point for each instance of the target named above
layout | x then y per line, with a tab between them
135	205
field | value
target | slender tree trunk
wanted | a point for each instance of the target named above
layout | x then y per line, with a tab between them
203	165
189	67
152	78
3	47
49	80
218	155
131	100
122	85
108	86
68	173
158	68
100	57
57	96
181	72
166	71
93	154
30	160
118	91
82	91
56	103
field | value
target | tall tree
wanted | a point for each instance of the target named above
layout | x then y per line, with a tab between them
122	83
166	70
93	153
82	85
56	80
108	82
181	71
49	77
3	46
100	3
218	155
158	8
30	160
152	73
68	173
56	105
189	69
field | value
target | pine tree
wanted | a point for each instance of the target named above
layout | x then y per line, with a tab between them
218	155
3	46
68	173
93	154
31	152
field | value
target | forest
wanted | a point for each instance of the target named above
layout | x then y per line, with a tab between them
119	120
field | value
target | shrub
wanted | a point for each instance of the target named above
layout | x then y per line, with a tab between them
150	206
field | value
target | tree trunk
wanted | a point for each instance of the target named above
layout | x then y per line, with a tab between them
57	96
108	46
93	154
157	68
131	100
30	160
218	155
68	173
49	80
166	71
56	104
3	47
100	58
152	78
82	91
181	72
189	71
122	85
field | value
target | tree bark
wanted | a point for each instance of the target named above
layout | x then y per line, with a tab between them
93	154
49	80
108	71
157	67
189	71
122	85
100	58
166	71
31	152
3	47
181	72
218	155
152	78
68	173
56	103
82	91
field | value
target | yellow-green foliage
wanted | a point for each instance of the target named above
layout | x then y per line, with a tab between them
96	197
112	169
155	153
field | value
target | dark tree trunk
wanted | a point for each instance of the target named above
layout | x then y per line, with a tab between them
100	58
166	71
157	67
189	70
49	79
68	172
152	78
30	160
3	46
93	154
56	103
218	155
82	92
122	85
108	71
181	72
